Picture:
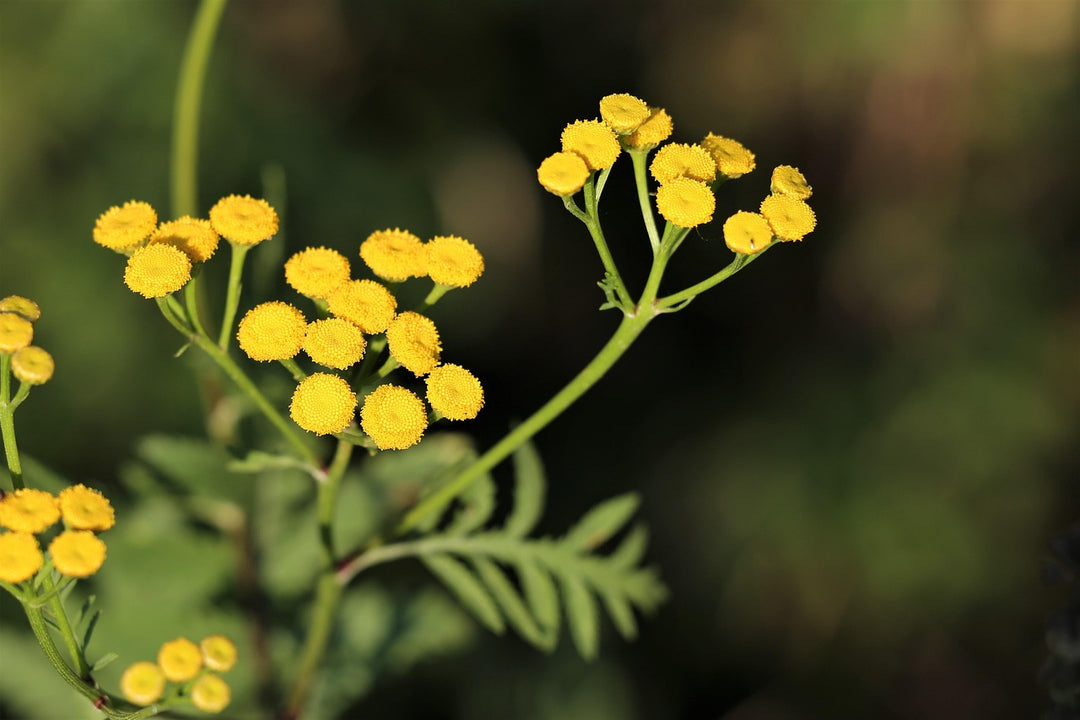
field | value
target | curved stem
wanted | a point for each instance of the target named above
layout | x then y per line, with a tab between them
638	157
592	222
7	424
82	668
232	296
740	261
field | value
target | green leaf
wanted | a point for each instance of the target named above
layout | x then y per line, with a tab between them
103	661
90	627
477	504
455	576
621	613
193	464
632	548
529	489
582	615
511	604
601	522
540	593
258	461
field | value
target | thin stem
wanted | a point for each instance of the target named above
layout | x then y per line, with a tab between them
191	304
170	314
638	157
437	291
232	296
597	233
82	668
675	299
294	369
7	424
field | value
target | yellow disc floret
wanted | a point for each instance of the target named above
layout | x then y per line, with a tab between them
123	228
272	331
142	683
623	113
365	303
323	404
676	160
685	202
210	694
84	508
334	342
652	132
194	236
454	392
21	306
732	159
28	510
393	255
16	332
20	557
454	261
77	553
32	365
414	342
244	220
317	271
790	218
747	233
563	173
218	652
180	659
393	417
157	270
594	141
787	180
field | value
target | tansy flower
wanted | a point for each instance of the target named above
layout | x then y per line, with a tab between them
334	342
272	331
316	271
84	508
244	220
20	557
32	365
623	113
365	303
393	255
414	342
790	218
731	157
393	417
155	271
747	233
124	228
28	510
194	236
787	180
77	553
676	160
20	306
218	652
323	404
563	173
16	332
180	659
685	202
453	261
454	392
142	683
210	694
594	141
652	132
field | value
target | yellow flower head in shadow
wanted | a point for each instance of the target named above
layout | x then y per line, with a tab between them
16	332
365	303
32	365
454	392
594	141
84	508
334	343
323	404
317	271
747	233
21	306
142	683
652	132
563	173
623	113
123	228
789	217
272	331
677	160
414	342
393	255
787	180
244	220
77	553
454	261
219	652
194	236
393	417
20	557
157	270
210	694
29	510
685	202
732	158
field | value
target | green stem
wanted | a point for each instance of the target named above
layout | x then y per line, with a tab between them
294	369
82	668
191	304
169	312
683	296
592	222
7	423
232	296
437	291
638	157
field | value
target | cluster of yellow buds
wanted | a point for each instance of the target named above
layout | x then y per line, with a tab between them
76	551
194	667
29	363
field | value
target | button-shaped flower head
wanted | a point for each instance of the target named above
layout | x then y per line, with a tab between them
180	659
414	342
563	173
84	508
747	233
21	306
219	653
393	417
787	180
594	141
272	331
142	683
393	255
453	261
29	510
789	217
623	113
731	157
685	202
32	365
323	404
77	553
317	271
210	694
20	556
16	332
365	303
194	236
334	343
244	220
454	392
123	228
676	160
652	132
157	270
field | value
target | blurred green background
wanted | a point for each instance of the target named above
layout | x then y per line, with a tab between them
852	455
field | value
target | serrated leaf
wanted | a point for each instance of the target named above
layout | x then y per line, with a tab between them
618	607
529	489
582	615
477	504
457	578
632	548
540	592
511	604
103	661
601	522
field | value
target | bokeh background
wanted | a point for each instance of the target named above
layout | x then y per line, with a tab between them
852	456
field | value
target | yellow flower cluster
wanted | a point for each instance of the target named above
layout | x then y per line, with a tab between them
30	364
194	667
783	215
75	551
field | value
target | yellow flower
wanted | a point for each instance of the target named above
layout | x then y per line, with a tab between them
244	220
194	236
155	271
393	255
32	365
218	652
393	417
652	132
142	683
685	202
747	233
454	392
323	404
272	331
623	113
124	228
20	557
453	261
594	141
28	510
334	342
316	271
77	553
790	218
787	180
677	160
414	342
16	332
180	659
210	694
365	303
84	508
21	306
731	157
563	173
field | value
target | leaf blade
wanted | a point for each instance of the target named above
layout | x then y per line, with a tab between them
468	590
530	487
601	522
